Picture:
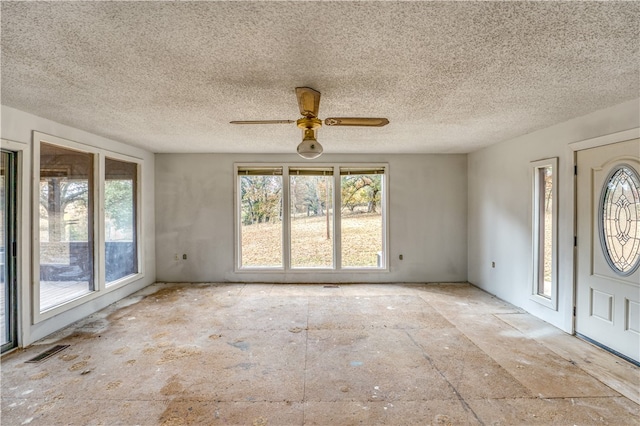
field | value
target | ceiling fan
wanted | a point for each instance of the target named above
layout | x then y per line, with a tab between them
309	103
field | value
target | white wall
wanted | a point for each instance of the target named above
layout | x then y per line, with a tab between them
195	215
499	219
18	126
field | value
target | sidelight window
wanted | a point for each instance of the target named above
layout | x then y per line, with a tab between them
545	228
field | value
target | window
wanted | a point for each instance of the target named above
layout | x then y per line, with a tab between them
545	227
261	216
362	219
86	212
311	216
66	225
120	190
286	218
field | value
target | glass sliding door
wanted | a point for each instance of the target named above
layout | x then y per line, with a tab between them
8	224
66	225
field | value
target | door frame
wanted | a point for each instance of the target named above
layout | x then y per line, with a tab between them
596	142
23	236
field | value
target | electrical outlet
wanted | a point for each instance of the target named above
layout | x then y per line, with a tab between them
184	257
493	264
401	257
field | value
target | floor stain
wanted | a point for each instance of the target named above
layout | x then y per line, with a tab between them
165	295
68	357
260	421
243	365
191	411
172	387
240	344
173	354
114	385
78	366
442	419
121	350
39	376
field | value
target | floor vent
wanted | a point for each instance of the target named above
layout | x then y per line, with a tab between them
331	286
48	354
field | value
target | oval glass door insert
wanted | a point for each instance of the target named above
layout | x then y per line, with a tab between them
620	220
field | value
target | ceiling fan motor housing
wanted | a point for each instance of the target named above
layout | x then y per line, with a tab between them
309	123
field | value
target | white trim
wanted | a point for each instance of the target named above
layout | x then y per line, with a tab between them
622	136
536	262
100	287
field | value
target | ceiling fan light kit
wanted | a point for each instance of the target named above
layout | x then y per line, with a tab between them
309	104
309	148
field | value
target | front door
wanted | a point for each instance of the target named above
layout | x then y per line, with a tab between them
608	257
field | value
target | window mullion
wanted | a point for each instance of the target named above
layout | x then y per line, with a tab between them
99	222
286	220
337	218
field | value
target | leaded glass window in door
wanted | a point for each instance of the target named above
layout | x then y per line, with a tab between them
620	220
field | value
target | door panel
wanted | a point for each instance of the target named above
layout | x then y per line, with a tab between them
608	226
8	282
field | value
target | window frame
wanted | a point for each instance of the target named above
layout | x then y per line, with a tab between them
537	261
98	224
286	225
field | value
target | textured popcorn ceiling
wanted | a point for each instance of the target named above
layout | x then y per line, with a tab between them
450	76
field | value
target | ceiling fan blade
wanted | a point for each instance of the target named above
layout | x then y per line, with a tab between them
356	121
263	122
308	101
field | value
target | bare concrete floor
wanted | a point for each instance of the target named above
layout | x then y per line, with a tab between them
305	354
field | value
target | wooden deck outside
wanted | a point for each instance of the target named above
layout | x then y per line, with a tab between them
54	293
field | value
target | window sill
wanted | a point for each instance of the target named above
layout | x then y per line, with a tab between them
544	301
